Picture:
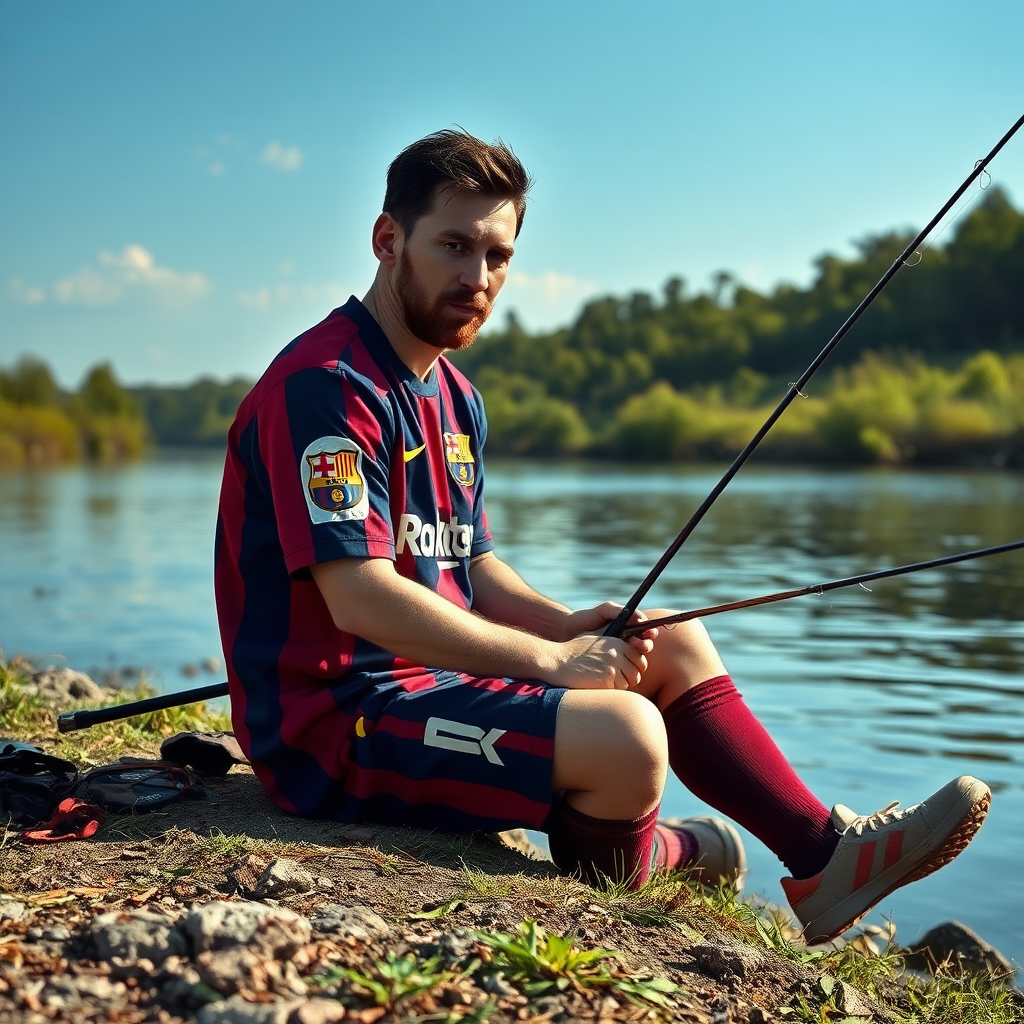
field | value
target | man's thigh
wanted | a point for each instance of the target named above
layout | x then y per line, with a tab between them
447	750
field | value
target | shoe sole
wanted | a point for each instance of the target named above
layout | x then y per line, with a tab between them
951	847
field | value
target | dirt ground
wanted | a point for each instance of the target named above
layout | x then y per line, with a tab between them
427	886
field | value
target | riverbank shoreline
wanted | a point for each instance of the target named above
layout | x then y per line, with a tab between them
365	923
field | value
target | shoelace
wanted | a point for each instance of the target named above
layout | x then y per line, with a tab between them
873	821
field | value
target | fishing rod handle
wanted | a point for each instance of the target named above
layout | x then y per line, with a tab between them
72	721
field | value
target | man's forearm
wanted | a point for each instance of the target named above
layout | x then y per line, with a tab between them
368	598
502	595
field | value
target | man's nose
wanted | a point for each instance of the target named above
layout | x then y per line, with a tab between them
474	275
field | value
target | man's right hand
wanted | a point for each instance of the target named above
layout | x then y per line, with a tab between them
599	663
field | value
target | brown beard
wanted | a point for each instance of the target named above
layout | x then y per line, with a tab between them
432	323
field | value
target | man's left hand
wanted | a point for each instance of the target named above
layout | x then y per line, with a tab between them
594	620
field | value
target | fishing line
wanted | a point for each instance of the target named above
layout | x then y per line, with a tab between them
619	624
955	214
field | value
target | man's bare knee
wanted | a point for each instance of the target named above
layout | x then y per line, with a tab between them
611	753
683	657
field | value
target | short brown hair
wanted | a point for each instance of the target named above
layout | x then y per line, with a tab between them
454	158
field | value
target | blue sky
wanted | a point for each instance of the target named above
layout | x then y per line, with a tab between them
184	186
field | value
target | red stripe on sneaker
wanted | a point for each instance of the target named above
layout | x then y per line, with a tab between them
893	849
865	860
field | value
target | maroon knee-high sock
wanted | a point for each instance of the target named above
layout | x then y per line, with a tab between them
601	848
723	755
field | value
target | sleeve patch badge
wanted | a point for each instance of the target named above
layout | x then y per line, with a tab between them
332	475
460	458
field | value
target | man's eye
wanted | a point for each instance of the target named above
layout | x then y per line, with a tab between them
454	246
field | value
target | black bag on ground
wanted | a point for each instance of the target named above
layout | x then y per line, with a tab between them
134	785
210	753
32	783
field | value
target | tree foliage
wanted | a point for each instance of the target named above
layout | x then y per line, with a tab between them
630	361
934	370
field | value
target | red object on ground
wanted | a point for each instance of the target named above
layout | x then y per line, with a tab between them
73	820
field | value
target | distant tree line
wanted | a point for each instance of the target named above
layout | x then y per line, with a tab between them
104	421
691	366
933	372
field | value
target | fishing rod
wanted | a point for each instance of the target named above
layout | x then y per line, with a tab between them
71	721
818	588
617	627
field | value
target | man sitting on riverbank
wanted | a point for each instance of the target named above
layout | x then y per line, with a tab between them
386	666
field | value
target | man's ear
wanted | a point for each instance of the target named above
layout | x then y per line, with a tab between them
387	239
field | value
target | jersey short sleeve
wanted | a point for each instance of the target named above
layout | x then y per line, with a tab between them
324	437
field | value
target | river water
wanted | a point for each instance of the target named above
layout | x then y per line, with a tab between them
875	696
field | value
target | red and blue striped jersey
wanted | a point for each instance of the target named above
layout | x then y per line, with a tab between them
339	451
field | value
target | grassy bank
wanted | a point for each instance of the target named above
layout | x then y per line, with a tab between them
524	942
876	411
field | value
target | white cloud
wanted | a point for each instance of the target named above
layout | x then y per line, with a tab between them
544	300
133	269
217	168
550	287
28	294
264	296
257	299
284	158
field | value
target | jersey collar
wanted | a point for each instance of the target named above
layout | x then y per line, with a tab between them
380	347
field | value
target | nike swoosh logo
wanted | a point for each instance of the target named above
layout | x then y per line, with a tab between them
409	456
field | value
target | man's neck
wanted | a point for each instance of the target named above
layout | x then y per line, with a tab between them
384	306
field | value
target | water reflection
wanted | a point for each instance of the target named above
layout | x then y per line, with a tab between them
875	695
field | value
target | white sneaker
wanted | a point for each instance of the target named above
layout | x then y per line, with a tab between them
879	852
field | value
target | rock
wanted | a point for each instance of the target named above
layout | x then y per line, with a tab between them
67	992
179	982
212	664
236	970
721	961
359	922
142	968
284	878
12	910
100	988
58	933
496	914
246	876
854	1003
60	994
137	934
248	972
275	931
317	1011
496	985
955	944
551	1005
236	1010
721	1011
64	684
455	946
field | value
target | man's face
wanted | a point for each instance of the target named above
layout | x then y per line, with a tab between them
452	265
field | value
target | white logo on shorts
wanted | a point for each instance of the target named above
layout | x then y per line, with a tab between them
475	740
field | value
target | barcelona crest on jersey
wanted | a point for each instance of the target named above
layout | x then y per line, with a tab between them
334	480
460	458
